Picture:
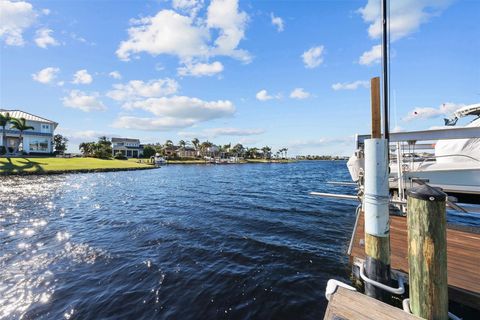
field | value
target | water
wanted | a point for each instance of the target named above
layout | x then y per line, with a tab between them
179	242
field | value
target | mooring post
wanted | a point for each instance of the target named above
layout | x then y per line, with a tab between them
427	252
376	199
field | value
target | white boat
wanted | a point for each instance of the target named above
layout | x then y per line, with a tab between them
159	160
453	164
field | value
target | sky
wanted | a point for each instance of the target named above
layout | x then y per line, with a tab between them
289	74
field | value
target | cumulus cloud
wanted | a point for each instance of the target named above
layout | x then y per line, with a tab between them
429	112
138	89
313	57
15	17
46	75
82	77
216	132
406	16
277	22
83	101
372	56
191	7
115	75
43	38
174	112
350	85
299	93
200	69
169	32
263	95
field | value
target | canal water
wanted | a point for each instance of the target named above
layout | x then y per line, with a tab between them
179	242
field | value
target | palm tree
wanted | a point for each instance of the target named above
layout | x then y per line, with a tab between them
266	152
182	143
285	150
20	125
168	143
195	143
4	120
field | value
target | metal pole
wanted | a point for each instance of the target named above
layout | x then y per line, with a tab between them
385	48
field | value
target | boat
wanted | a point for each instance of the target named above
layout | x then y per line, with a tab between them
448	158
159	160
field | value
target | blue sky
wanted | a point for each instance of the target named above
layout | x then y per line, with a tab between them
280	73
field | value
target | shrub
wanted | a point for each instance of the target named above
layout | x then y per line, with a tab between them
120	156
3	150
148	151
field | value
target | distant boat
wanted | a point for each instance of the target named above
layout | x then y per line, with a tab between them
453	166
159	160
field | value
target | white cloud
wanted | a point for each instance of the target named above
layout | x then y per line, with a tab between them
43	38
165	33
46	75
372	56
137	89
115	75
83	101
225	16
169	32
15	17
216	132
82	77
263	95
277	22
200	69
406	16
313	57
189	6
350	85
45	12
174	112
429	112
299	93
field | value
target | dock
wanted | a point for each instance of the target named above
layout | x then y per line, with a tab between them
463	251
346	304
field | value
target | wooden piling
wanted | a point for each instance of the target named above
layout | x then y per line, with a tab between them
376	113
427	252
377	247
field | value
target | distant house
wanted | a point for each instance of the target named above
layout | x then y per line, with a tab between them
169	151
38	140
131	148
186	152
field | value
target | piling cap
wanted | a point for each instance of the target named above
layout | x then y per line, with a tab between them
426	192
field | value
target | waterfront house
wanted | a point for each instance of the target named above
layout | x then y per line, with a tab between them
35	141
131	148
186	152
169	151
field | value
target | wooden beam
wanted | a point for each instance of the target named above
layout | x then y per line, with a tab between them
376	112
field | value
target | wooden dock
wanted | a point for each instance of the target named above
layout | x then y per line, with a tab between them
463	257
351	305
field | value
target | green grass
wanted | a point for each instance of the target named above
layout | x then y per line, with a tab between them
46	165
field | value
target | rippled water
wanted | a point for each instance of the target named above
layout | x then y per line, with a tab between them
179	242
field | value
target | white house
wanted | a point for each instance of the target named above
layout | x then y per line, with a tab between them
38	140
131	148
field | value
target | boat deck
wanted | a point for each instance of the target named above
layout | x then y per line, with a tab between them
346	304
463	257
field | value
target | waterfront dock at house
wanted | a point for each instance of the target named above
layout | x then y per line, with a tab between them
346	304
463	263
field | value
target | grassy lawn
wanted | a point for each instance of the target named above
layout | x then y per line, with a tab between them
44	165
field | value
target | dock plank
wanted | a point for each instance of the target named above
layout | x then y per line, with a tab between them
463	257
346	304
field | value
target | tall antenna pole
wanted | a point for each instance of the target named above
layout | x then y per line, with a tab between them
385	49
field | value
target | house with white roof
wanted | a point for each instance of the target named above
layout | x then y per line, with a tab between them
39	140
